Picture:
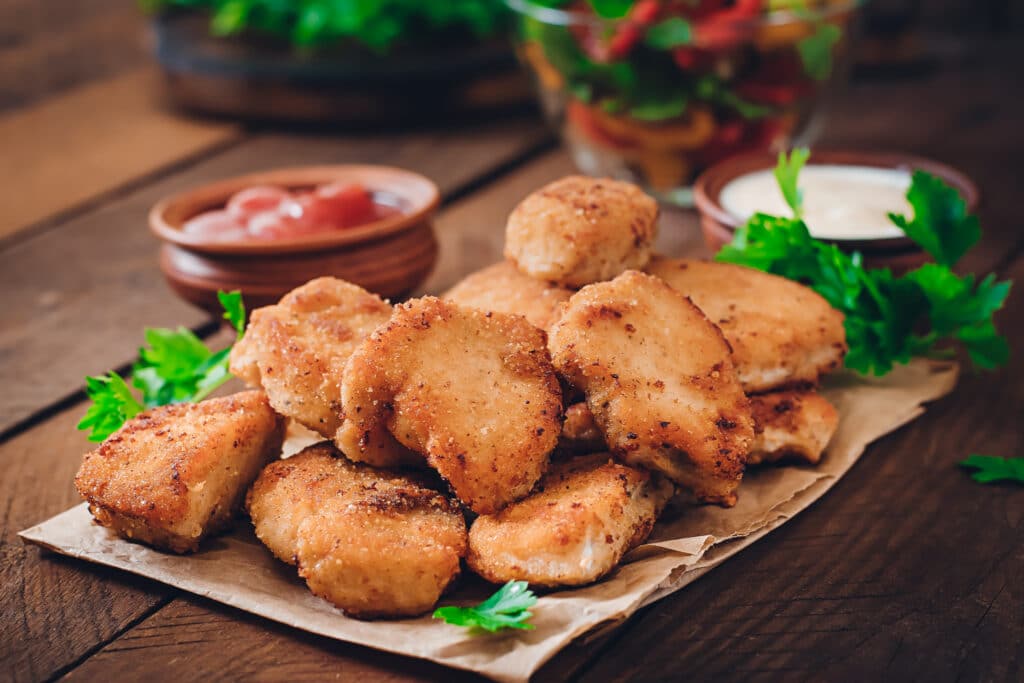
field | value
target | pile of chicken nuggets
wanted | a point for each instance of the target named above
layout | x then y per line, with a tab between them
531	424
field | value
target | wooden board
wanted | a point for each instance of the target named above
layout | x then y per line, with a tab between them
87	143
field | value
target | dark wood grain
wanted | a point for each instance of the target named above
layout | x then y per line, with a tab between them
78	295
49	47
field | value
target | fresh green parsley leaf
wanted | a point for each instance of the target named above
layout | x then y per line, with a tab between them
941	224
669	33
175	366
992	468
888	319
507	608
112	404
787	170
816	51
234	310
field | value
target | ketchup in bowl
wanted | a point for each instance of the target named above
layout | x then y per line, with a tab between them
265	212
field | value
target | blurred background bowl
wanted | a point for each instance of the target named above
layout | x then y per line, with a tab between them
899	253
655	97
390	257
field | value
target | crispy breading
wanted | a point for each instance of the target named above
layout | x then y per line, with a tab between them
580	230
287	491
794	425
782	333
586	514
659	380
789	425
373	542
297	349
389	554
474	392
173	475
503	289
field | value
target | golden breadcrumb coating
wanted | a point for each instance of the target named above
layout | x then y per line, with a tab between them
373	542
782	333
297	349
474	392
389	554
287	491
794	425
790	425
503	289
173	475
579	230
585	515
659	381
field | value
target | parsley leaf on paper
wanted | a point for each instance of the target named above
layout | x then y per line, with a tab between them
992	468
175	366
941	224
889	319
507	608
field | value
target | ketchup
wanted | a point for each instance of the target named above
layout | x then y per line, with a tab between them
271	213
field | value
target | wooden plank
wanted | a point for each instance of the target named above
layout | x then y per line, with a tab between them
77	296
906	570
72	148
259	649
48	47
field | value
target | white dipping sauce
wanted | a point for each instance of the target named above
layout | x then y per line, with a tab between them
840	202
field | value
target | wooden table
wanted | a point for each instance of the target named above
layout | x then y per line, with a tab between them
906	569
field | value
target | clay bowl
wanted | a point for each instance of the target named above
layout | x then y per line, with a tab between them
390	257
898	253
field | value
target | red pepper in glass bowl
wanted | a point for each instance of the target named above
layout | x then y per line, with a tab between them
653	91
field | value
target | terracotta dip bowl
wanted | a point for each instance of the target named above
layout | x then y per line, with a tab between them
898	253
390	257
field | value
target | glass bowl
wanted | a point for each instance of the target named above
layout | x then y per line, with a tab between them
664	91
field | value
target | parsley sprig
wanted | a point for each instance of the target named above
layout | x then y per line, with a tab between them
175	366
991	468
507	608
889	319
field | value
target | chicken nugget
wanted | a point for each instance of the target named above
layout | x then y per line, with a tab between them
297	349
795	425
586	514
789	425
173	475
474	392
659	381
389	553
782	333
373	542
579	230
503	289
287	491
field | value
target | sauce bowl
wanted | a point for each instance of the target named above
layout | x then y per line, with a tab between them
389	257
899	253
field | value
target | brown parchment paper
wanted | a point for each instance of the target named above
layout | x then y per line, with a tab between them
236	570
